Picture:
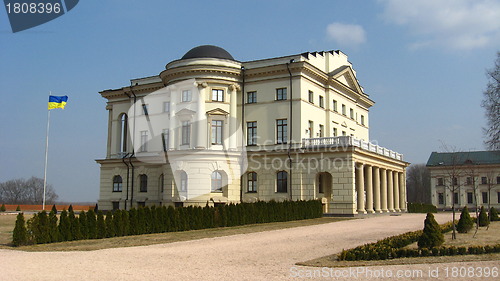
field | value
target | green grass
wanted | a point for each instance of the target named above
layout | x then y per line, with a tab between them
7	223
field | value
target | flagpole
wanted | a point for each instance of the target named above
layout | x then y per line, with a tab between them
46	157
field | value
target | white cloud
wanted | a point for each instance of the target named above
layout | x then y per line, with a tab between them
450	24
346	34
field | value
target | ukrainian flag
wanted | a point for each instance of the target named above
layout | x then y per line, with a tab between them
57	102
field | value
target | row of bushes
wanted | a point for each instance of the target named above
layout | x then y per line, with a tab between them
386	248
3	208
47	228
421	208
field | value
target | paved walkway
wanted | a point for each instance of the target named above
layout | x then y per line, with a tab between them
256	256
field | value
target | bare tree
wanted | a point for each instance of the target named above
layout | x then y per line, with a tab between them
21	191
489	185
491	104
418	183
473	175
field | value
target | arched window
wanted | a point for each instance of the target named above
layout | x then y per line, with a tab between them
143	184
117	184
161	182
281	181
216	181
184	181
252	182
123	132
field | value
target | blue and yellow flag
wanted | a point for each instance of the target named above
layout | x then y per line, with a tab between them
57	102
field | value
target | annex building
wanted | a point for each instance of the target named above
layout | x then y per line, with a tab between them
210	129
464	179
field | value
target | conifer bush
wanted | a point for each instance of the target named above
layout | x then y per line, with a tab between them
465	223
65	227
483	218
18	208
53	228
3	209
101	226
74	225
20	233
82	222
494	214
91	224
431	235
54	209
110	226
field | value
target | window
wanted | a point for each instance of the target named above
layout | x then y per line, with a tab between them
311	129
281	131
252	182
469	198
141	204
362	120
454	181
484	180
281	181
217	132
485	197
498	182
251	97
321	131
186	96
344	110
440	181
186	133
351	113
334	132
217	95
311	97
281	94
123	132
498	197
117	184
344	133
166	107
184	181
252	133
144	141
455	197
166	139
321	188
116	205
335	106
468	181
216	181
143	183
145	109
440	198
161	183
321	102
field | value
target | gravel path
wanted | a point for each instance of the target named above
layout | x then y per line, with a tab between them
256	256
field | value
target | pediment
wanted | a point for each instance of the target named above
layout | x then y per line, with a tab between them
346	76
185	111
217	111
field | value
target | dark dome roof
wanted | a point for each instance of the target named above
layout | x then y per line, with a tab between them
208	51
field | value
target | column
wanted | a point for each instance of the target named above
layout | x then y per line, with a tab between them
360	188
369	189
383	190
402	192
200	128
396	191
173	131
376	189
233	89
110	132
390	192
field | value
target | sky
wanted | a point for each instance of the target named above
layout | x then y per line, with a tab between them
423	62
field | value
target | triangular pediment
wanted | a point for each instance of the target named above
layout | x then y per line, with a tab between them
185	111
217	111
346	76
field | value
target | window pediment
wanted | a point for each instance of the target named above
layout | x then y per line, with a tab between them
217	111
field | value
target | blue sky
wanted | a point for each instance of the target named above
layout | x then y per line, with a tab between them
423	62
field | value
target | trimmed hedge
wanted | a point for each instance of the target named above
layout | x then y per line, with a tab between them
421	208
42	229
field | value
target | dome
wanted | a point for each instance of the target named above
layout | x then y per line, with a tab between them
207	51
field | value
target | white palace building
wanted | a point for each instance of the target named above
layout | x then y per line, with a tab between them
213	130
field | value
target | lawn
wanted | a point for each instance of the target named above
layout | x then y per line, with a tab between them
483	237
7	222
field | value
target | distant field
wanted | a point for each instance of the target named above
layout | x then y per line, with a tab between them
7	223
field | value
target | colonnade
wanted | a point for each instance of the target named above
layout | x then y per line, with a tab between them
379	190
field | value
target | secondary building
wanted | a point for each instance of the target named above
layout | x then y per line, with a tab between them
465	179
210	129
